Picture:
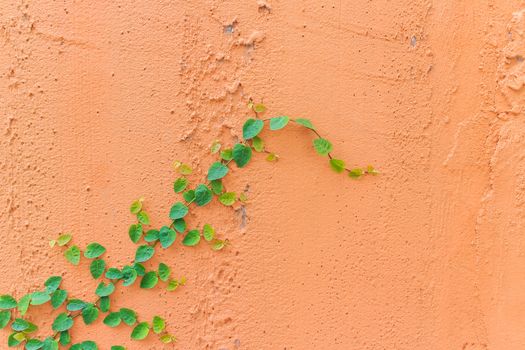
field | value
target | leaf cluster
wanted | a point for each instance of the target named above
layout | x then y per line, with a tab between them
144	269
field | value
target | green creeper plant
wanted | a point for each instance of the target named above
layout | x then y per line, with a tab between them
141	270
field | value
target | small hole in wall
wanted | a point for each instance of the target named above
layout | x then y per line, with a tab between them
229	29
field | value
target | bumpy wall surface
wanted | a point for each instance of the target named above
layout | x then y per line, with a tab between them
97	98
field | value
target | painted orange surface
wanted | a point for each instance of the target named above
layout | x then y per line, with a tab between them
97	98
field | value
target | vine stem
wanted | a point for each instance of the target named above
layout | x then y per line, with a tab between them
365	171
75	314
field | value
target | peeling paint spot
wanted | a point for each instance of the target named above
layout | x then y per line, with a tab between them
255	37
264	6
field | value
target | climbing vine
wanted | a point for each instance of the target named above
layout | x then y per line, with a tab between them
13	312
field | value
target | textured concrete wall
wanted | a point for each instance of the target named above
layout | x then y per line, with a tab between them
97	98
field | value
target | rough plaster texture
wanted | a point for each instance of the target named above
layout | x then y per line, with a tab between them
97	98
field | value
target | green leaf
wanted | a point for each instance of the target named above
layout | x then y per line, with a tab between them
135	207
140	331
144	253
104	290
39	298
34	344
259	108
179	225
149	280
112	319
62	323
65	338
272	157
251	128
241	155
208	232
215	147
185	169
63	239
7	302
58	297
166	236
135	232
167	338
337	165
192	238
151	236
20	336
72	255
227	198
90	314
89	345
370	170
159	324
94	250
141	270
258	144
164	272
52	283
128	316
178	211
104	304
5	317
203	195
76	305
32	328
278	122
76	347
305	122
97	268
117	347
113	273
217	171
143	218
243	197
129	275
216	186
355	173
322	146
189	196
219	244
19	325
23	303
180	184
15	339
172	285
227	154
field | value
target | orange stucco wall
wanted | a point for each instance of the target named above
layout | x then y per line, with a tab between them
97	98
